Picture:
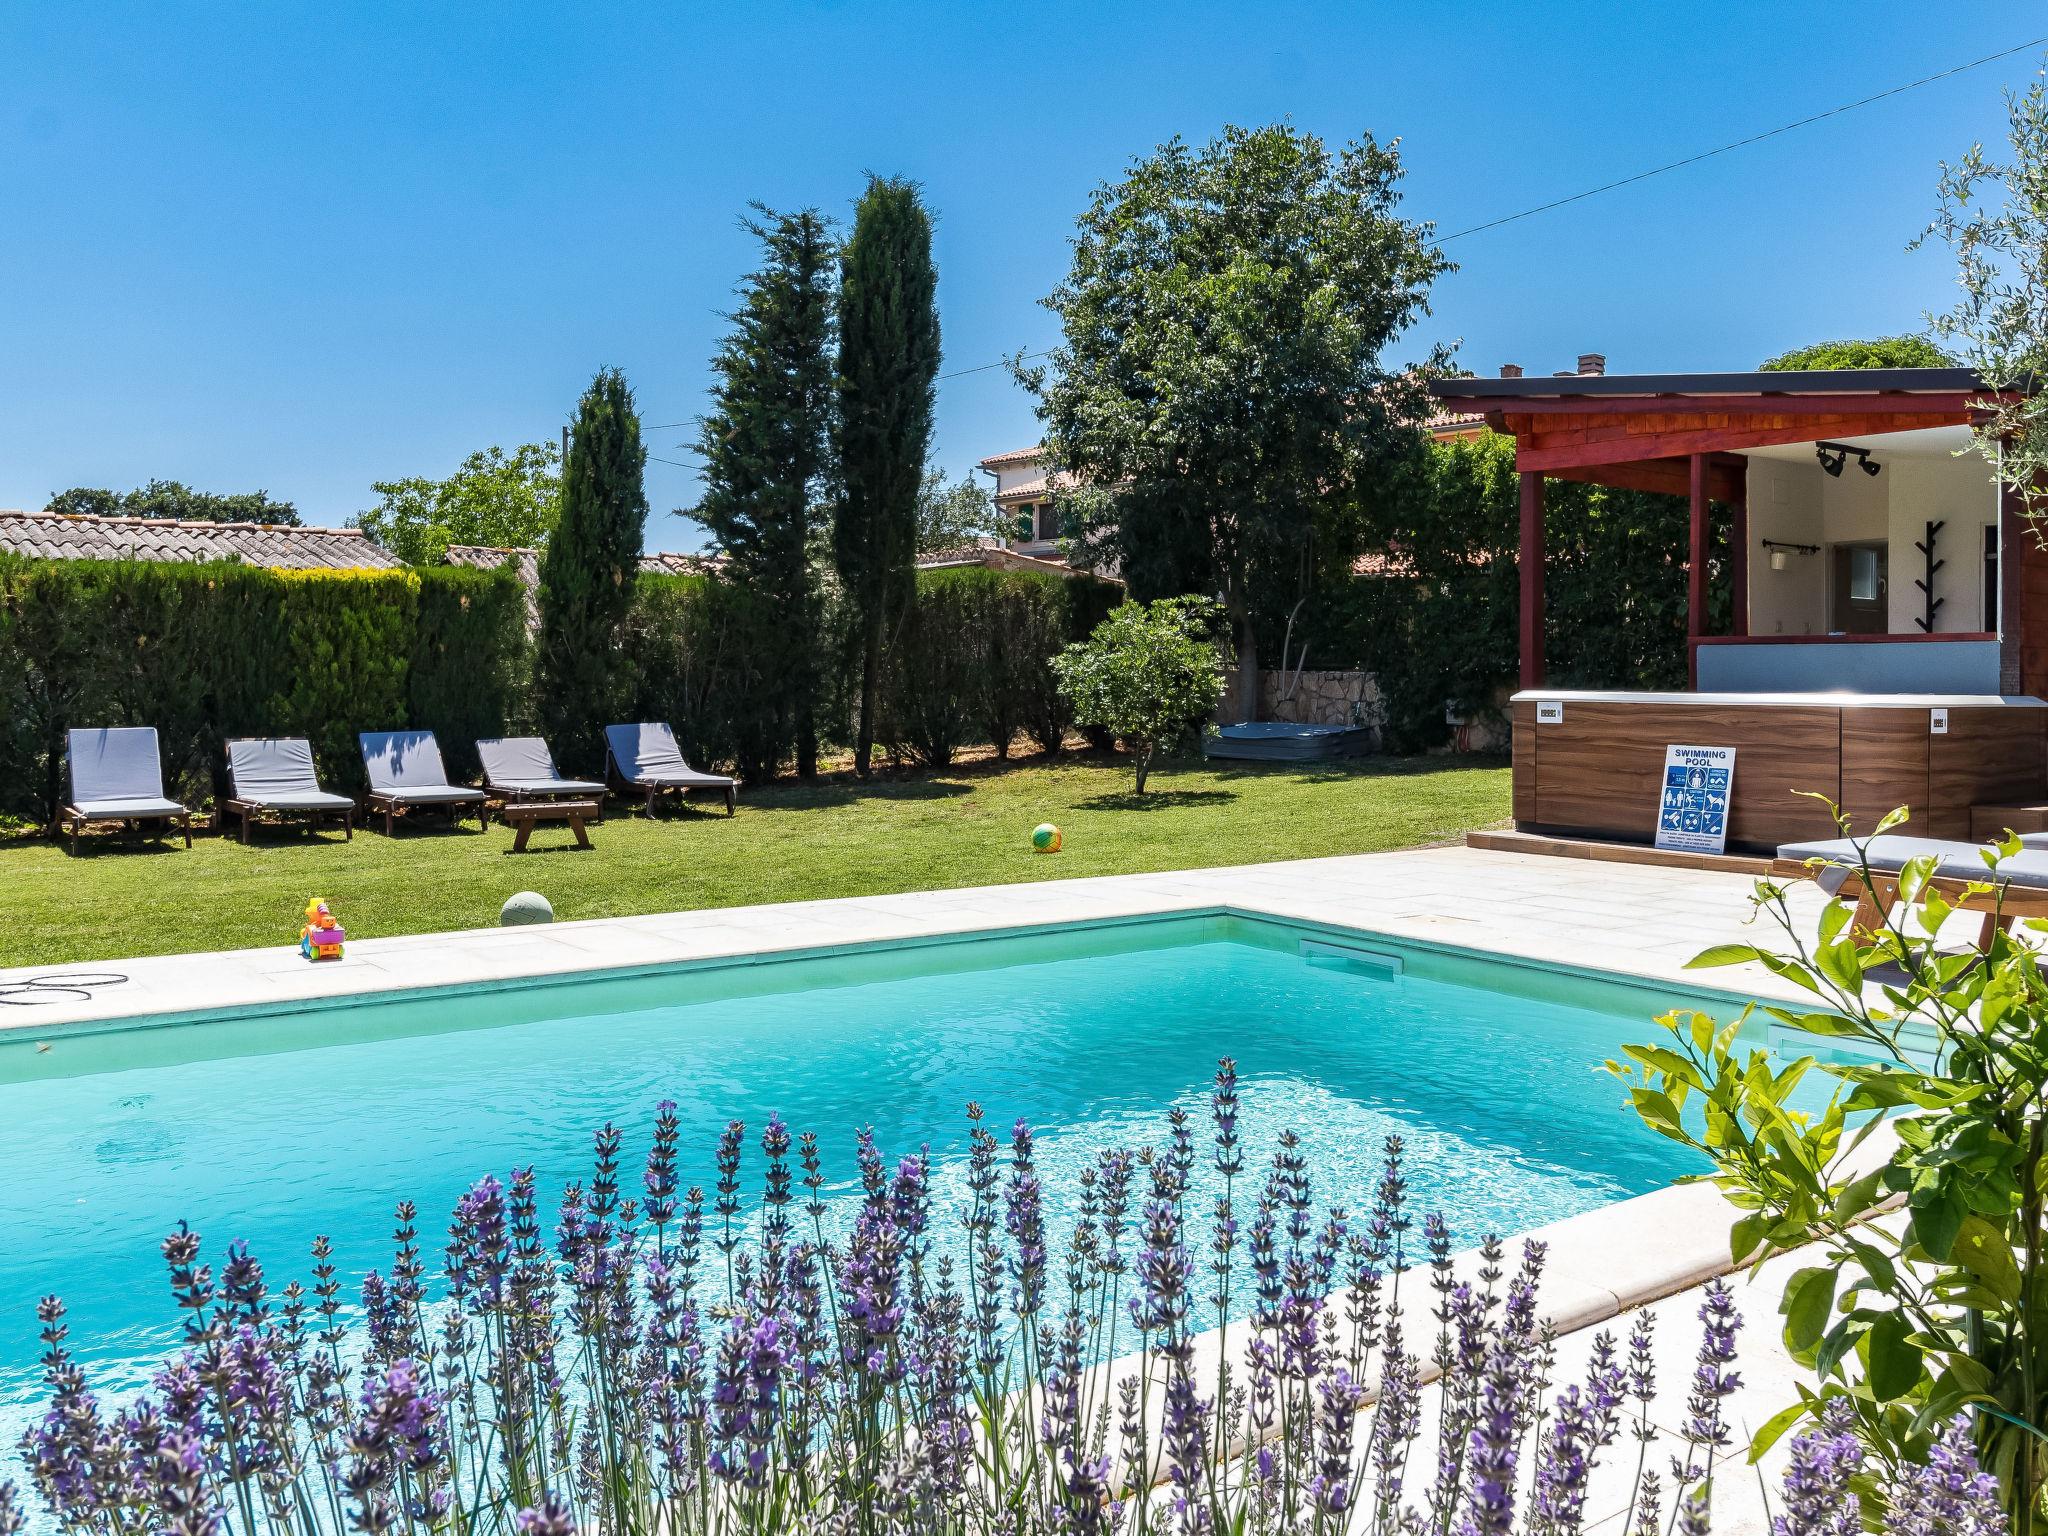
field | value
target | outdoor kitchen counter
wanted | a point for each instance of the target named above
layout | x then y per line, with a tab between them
1591	764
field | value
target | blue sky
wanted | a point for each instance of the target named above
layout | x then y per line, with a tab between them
305	248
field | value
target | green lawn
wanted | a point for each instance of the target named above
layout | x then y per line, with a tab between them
964	826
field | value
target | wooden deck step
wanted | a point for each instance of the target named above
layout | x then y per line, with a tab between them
1616	853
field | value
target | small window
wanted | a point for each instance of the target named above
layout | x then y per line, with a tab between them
1864	573
1048	521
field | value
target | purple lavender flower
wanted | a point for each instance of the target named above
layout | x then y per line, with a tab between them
551	1517
660	1182
1223	1106
1818	1499
1950	1495
1706	1424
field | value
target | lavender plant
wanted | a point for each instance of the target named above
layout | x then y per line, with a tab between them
665	1363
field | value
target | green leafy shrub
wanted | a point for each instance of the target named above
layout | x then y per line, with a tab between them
1939	1308
1150	674
1881	352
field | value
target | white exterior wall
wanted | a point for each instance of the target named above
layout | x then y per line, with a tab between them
1785	504
1796	502
1958	492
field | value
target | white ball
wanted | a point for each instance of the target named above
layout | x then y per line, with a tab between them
526	907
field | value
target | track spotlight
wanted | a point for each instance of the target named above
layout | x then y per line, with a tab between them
1833	456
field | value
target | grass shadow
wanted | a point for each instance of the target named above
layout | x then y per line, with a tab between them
828	796
1155	799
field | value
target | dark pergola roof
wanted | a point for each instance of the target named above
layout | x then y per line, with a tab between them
1829	381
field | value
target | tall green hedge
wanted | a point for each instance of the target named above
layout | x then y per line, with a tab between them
970	663
207	652
204	652
1444	630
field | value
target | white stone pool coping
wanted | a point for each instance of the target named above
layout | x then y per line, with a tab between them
1635	921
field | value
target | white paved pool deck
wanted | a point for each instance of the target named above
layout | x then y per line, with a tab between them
1631	920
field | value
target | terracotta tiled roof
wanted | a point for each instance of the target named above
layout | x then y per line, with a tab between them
1383	562
1038	488
671	564
1014	457
50	536
995	557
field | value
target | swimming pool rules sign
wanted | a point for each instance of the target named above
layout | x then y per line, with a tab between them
1694	815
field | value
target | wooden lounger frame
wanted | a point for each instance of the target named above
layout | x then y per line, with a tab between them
75	821
311	815
616	777
392	804
1876	896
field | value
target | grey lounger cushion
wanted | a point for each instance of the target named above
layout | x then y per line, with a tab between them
524	765
277	771
1954	860
406	766
648	754
116	773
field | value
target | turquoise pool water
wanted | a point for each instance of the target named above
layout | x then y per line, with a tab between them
275	1128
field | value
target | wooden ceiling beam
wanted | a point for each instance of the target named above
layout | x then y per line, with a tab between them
1612	445
1955	405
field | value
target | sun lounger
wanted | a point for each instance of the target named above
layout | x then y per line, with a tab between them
518	769
646	758
117	775
406	774
275	774
2019	883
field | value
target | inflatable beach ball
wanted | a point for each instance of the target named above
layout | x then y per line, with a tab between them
1045	838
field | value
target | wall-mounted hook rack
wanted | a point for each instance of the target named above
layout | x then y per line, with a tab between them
1926	583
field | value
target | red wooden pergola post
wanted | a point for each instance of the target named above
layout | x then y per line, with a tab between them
1696	568
1738	554
1532	579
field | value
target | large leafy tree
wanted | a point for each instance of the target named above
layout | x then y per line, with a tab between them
1879	352
888	362
495	498
1222	373
587	573
768	468
957	513
176	500
1993	214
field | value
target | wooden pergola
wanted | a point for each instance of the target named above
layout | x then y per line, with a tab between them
1683	434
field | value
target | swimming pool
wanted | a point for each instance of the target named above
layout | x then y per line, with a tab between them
278	1126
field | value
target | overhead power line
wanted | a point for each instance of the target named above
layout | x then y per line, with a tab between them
1754	138
1609	186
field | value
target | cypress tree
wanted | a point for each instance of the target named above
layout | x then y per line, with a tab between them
888	361
767	452
587	574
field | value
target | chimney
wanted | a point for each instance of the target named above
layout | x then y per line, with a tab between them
1592	362
1511	370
